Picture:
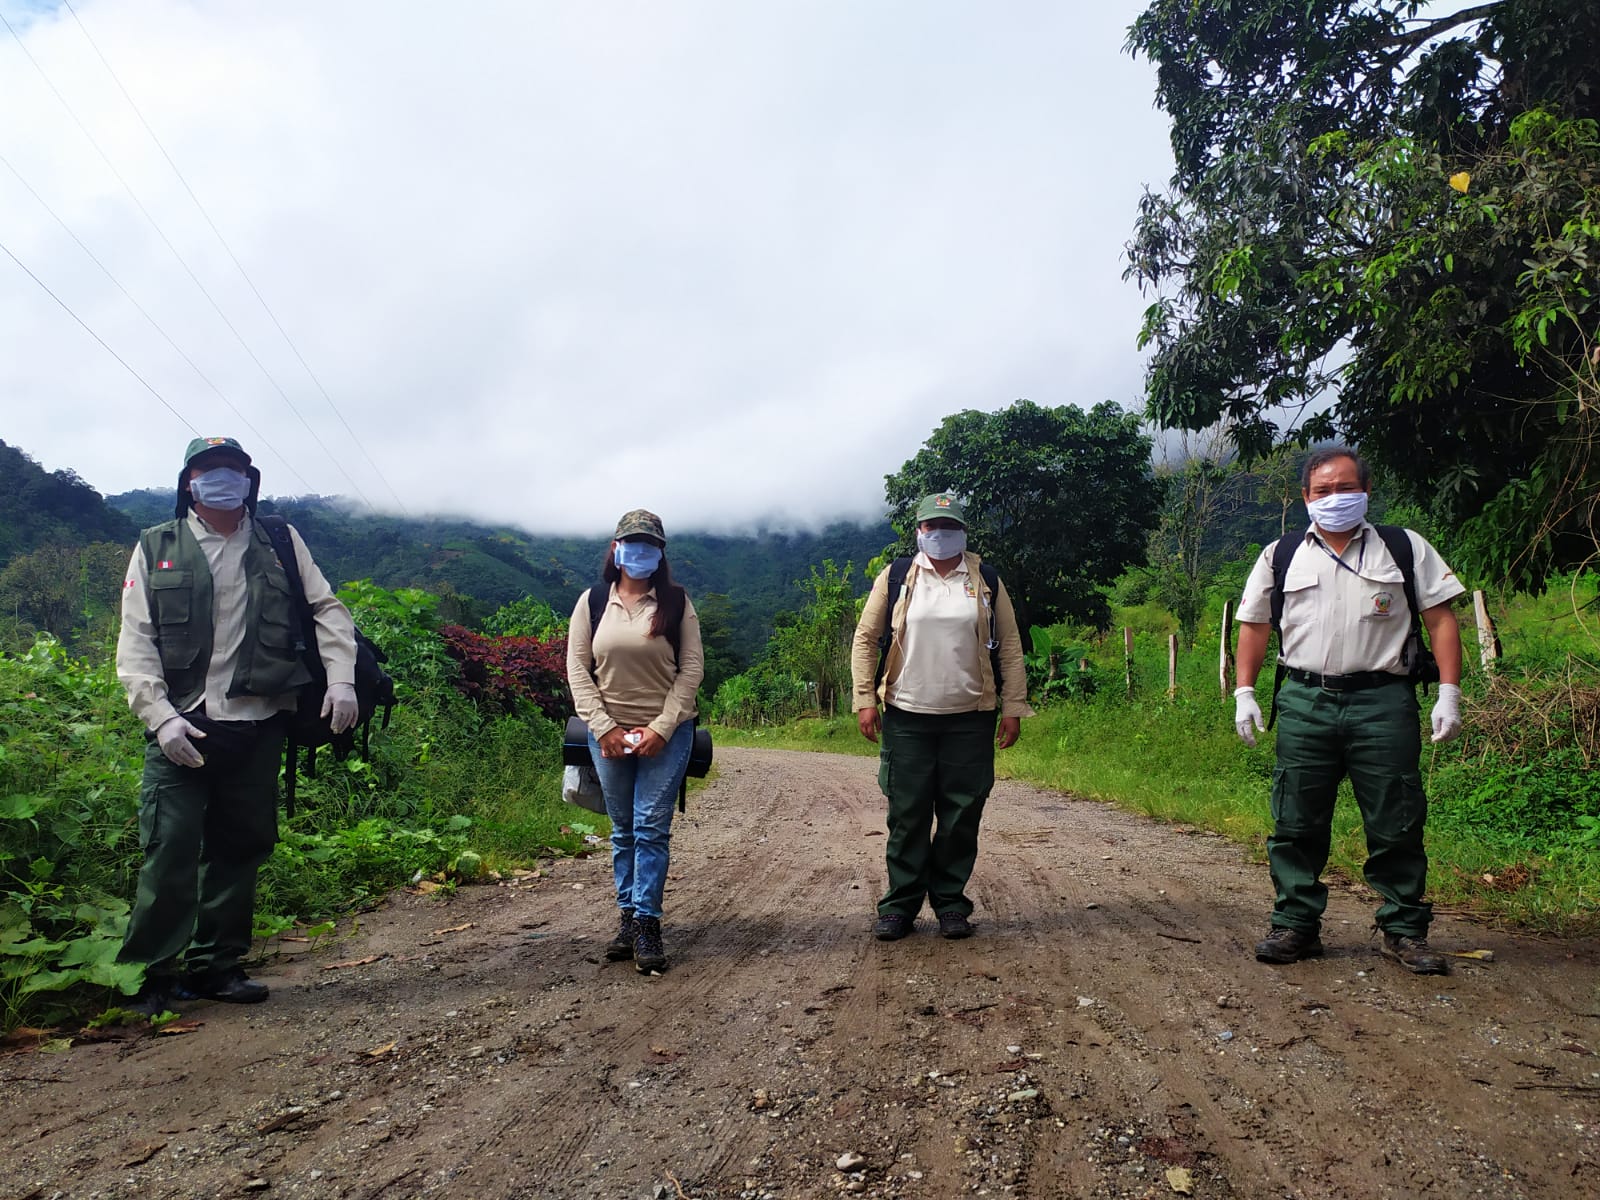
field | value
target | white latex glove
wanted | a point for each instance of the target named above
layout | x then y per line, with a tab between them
1247	714
174	736
339	703
1447	713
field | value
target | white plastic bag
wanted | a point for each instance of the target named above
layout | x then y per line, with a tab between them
581	786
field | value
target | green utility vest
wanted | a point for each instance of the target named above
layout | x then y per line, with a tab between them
179	588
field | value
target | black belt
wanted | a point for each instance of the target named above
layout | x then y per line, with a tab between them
1358	681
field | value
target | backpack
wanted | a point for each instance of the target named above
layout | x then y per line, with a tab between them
374	688
575	745
1424	669
898	570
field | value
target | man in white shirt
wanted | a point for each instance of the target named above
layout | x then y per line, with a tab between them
1348	707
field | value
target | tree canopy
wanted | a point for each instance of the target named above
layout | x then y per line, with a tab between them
1384	225
1059	499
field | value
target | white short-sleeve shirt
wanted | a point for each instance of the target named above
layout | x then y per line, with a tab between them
1343	614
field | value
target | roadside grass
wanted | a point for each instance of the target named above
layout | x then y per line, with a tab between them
835	735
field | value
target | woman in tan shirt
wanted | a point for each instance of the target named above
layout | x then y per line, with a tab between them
633	678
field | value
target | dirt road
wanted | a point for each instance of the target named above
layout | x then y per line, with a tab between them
1106	1033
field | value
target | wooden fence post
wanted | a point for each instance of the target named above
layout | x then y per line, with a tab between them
1225	654
1488	640
1127	658
1172	665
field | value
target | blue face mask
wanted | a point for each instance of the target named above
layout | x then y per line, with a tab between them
221	488
638	560
942	544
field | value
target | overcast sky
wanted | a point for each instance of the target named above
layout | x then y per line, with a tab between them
729	261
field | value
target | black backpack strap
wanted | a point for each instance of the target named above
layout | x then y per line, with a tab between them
597	596
1282	556
898	570
1399	543
277	531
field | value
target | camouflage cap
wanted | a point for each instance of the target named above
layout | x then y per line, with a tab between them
201	445
640	522
941	504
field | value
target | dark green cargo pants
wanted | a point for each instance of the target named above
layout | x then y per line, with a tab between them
205	834
1374	737
936	771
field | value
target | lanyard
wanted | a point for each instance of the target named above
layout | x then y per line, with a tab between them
1338	560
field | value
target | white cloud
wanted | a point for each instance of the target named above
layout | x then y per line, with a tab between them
730	261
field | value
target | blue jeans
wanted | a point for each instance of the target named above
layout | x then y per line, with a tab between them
640	794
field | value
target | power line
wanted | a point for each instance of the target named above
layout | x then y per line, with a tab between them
255	291
256	433
71	112
99	339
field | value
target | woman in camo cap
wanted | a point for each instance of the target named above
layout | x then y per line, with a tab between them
633	673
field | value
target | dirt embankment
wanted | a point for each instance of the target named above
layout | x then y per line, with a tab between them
1107	1033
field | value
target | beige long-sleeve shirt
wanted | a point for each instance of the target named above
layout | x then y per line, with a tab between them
139	657
635	681
1013	698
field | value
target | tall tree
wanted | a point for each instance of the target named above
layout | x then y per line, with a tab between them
1385	226
1060	499
814	644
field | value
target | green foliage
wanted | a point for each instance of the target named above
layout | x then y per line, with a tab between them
814	644
1058	669
54	508
72	593
68	837
764	694
1059	499
444	780
1398	212
716	613
525	617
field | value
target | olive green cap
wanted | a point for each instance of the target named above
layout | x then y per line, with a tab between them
201	445
941	504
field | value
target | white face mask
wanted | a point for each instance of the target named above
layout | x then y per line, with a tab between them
1338	512
940	544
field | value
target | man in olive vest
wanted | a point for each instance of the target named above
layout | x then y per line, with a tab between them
209	656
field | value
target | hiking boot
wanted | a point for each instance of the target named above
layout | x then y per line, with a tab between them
1414	954
1285	945
954	925
891	927
153	999
620	948
232	986
648	954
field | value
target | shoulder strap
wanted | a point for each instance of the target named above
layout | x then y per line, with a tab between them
1399	543
277	531
898	570
1282	556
